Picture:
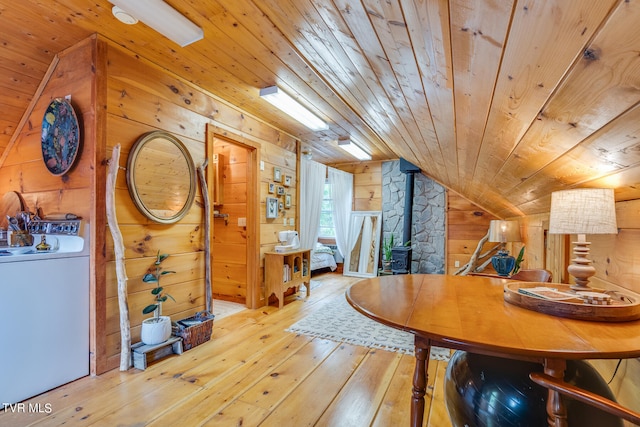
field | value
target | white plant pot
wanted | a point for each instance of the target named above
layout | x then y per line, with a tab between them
155	332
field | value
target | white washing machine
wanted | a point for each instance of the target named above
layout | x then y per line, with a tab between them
44	311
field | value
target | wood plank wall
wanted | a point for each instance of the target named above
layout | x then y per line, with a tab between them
285	158
142	97
367	184
24	170
467	224
75	192
119	97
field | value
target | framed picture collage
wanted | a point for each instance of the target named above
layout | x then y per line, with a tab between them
278	198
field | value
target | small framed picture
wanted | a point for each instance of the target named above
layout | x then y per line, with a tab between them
277	175
280	206
280	190
287	180
272	188
287	200
272	207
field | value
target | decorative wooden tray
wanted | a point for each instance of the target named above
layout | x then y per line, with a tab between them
624	306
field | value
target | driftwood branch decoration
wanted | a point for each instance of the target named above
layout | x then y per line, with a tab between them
207	230
472	265
121	274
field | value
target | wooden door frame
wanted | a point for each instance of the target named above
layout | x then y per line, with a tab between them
253	299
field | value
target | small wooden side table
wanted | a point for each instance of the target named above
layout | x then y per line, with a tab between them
278	277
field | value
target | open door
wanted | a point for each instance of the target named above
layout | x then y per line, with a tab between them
232	184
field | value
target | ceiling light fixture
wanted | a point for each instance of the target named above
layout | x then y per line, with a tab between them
279	99
123	16
161	17
350	147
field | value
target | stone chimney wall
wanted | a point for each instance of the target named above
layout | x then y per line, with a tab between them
429	215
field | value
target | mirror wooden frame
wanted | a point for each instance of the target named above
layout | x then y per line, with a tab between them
144	204
358	218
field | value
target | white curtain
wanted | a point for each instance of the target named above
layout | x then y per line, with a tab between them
352	238
342	195
354	233
312	178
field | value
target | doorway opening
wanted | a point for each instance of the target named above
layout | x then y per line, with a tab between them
233	188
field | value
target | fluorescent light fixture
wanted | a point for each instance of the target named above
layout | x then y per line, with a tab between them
279	99
163	18
350	147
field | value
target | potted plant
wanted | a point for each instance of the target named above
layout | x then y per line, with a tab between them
519	260
157	329
387	246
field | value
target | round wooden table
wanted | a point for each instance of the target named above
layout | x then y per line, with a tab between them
469	313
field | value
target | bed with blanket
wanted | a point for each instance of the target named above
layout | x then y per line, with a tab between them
322	257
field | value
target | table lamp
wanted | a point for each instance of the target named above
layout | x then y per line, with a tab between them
503	232
582	211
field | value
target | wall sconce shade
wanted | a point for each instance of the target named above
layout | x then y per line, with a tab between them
163	18
582	211
281	100
352	148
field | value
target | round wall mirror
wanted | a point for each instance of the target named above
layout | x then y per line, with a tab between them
161	177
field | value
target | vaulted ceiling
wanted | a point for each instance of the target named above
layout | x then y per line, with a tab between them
502	101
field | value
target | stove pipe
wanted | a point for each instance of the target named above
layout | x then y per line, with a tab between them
409	169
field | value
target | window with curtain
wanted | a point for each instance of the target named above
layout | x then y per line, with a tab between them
327	228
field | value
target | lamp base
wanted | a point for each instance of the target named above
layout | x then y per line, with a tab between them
581	269
503	263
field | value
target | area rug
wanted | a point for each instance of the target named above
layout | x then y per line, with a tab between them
341	322
223	308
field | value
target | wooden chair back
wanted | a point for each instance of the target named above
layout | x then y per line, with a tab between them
585	396
533	275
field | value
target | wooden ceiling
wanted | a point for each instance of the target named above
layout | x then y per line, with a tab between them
502	101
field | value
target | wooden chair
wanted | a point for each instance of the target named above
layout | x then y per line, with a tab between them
532	275
585	396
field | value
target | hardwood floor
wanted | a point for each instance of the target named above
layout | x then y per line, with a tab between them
251	373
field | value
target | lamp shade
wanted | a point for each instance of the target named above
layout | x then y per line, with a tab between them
583	211
504	231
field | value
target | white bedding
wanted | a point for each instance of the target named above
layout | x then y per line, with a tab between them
322	257
322	260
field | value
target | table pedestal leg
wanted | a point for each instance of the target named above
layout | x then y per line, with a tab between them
556	410
420	378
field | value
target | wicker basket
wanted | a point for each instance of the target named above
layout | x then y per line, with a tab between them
194	330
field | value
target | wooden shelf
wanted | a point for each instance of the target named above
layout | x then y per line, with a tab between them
622	310
277	282
142	354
